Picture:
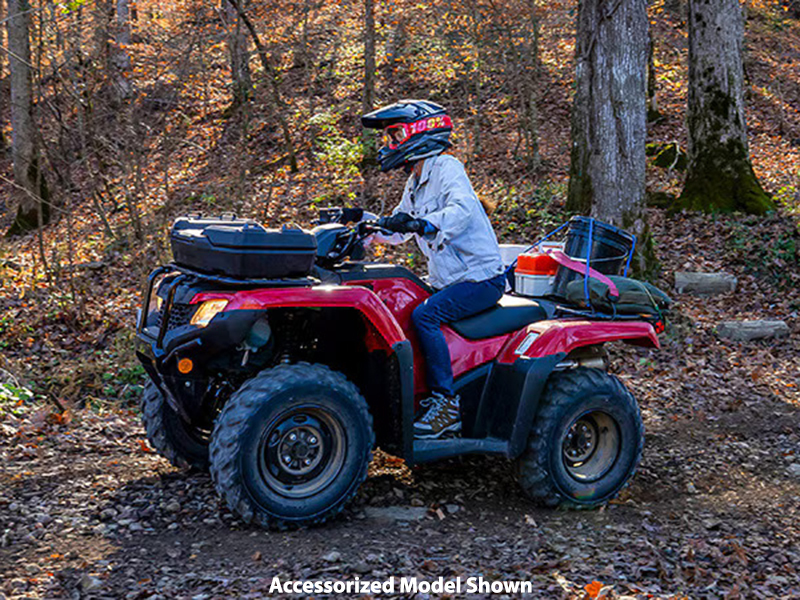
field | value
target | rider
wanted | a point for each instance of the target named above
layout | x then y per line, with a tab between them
440	209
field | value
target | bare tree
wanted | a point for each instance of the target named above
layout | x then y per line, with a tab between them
607	171
369	55
272	75
530	111
31	190
394	45
719	175
653	113
120	56
239	55
2	91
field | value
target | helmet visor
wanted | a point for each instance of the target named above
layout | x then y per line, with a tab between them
397	133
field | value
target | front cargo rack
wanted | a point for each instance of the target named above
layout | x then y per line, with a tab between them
190	275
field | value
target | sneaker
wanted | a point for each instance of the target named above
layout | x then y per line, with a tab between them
443	416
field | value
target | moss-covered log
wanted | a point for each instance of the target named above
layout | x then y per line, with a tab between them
720	175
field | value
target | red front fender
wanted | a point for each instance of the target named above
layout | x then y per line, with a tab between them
323	296
546	338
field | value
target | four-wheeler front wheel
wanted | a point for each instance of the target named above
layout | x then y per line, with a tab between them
181	443
292	446
586	441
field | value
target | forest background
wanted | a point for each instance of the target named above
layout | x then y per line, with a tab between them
140	112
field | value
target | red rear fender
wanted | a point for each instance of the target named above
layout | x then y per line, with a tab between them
323	296
551	337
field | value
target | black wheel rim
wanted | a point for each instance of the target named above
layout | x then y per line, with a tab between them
302	451
591	446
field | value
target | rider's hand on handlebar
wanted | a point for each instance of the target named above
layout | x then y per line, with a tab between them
402	223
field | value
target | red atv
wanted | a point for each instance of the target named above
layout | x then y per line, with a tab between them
279	359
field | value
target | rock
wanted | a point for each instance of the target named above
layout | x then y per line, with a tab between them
332	557
396	513
89	583
361	567
794	470
704	284
690	487
745	331
452	508
173	506
107	514
712	524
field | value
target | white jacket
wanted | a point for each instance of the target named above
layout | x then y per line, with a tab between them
465	247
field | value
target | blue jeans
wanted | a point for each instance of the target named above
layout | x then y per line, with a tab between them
455	302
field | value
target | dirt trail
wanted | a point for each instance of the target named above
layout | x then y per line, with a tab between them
712	512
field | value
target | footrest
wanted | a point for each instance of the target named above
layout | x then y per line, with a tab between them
428	450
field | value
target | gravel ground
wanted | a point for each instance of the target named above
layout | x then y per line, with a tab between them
86	510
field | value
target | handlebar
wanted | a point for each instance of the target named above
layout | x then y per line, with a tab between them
367	228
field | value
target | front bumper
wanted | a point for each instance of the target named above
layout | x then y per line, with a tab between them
166	336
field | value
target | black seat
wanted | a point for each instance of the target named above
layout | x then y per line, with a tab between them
509	314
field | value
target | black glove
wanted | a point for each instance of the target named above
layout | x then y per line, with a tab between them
402	223
352	215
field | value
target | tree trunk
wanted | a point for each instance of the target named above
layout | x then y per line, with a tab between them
239	55
33	207
369	56
653	114
477	101
531	78
719	175
272	75
609	113
394	45
120	55
3	142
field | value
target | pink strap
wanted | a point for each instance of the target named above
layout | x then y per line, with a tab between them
574	265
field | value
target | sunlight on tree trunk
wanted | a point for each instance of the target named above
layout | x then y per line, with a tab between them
33	207
653	114
719	175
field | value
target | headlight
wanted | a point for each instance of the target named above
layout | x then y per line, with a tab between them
207	311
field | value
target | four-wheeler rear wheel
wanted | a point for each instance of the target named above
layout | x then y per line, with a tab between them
173	438
292	446
586	441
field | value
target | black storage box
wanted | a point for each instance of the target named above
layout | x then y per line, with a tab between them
241	248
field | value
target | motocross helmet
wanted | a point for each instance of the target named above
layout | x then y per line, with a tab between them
413	130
